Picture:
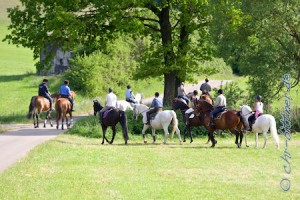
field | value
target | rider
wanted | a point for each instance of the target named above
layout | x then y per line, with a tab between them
65	92
156	106
182	94
44	92
220	105
258	109
206	88
194	101
129	95
110	102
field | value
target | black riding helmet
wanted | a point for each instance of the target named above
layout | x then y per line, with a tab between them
220	91
258	97
195	92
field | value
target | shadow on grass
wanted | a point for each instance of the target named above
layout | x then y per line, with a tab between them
9	78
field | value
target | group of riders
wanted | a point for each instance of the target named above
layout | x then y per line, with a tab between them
64	92
157	105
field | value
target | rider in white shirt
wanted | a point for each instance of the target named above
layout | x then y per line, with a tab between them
110	102
258	109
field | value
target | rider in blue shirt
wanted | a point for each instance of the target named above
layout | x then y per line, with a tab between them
65	92
129	96
156	106
44	92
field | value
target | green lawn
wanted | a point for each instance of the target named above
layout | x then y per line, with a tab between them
73	167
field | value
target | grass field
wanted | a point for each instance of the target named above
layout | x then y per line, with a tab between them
73	167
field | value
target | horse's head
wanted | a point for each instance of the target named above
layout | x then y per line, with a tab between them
135	112
203	106
245	110
73	93
179	104
97	106
139	98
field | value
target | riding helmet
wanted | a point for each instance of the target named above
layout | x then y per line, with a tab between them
128	86
220	91
195	92
110	90
258	97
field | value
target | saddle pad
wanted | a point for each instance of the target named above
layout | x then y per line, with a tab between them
106	113
192	116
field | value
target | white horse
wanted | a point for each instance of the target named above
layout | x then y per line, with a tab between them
125	105
161	121
262	124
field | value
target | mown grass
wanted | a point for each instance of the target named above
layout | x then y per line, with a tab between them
74	167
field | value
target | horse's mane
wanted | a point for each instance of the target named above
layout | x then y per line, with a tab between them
142	106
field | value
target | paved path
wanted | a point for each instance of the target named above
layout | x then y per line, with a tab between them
17	142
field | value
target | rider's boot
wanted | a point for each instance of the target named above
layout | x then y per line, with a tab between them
211	123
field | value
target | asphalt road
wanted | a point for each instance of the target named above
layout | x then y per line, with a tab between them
16	143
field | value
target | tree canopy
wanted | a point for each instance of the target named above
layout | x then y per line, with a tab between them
177	31
262	38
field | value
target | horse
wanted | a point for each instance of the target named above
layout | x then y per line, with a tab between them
162	120
229	120
207	98
63	107
193	122
37	105
110	118
262	124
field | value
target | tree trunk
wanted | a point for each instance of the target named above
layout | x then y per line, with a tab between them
169	89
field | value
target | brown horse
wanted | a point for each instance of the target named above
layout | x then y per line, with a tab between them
207	98
193	122
37	105
229	120
63	107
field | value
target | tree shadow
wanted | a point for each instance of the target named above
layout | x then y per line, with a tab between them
9	78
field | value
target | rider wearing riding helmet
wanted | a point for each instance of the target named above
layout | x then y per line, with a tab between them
219	106
181	93
194	101
129	96
65	92
258	109
110	102
44	92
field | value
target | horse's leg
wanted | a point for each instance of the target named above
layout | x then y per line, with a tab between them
191	135
256	140
265	137
208	138
113	128
246	141
179	136
37	120
46	119
212	139
71	119
103	131
62	120
232	130
153	135
184	134
241	137
34	118
166	134
143	133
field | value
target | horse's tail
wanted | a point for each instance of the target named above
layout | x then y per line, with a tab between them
58	108
31	107
123	121
174	119
273	130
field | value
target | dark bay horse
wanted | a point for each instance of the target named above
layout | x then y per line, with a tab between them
207	98
111	118
40	104
193	122
230	120
63	107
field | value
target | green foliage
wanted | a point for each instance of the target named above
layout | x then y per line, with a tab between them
87	127
261	39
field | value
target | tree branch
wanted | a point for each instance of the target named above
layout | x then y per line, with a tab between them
152	27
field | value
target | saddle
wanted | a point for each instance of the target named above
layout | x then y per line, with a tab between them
219	115
153	115
105	114
253	121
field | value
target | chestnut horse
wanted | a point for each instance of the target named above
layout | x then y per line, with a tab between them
193	122
63	107
230	120
111	118
207	98
40	104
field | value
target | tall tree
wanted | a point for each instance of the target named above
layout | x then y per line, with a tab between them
262	38
177	30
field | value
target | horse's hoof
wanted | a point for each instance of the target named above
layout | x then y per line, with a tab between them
216	141
247	145
212	146
145	142
44	126
192	141
102	143
184	140
51	125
